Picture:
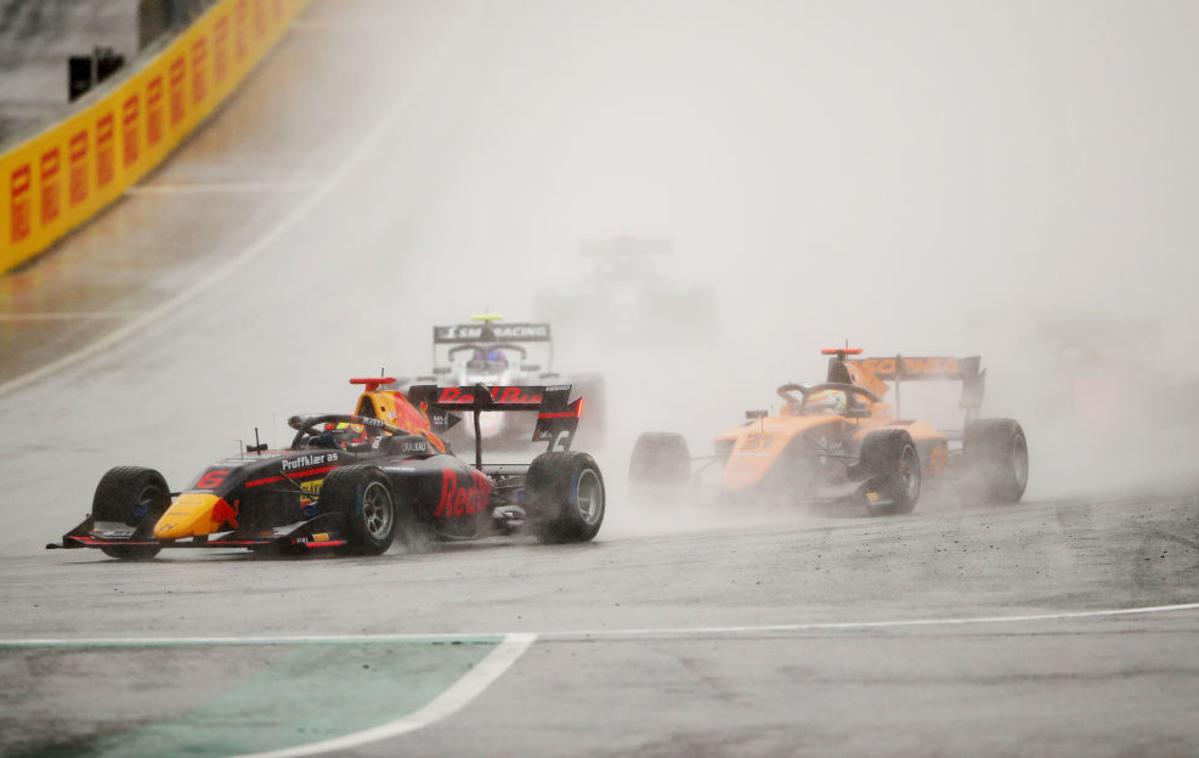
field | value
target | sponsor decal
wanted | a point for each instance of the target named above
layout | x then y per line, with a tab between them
224	513
308	461
129	115
240	29
472	332
20	184
77	174
499	395
414	446
258	11
220	48
154	111
199	66
49	166
463	493
105	150
885	368
755	441
178	99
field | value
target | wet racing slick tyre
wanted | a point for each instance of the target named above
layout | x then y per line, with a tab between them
565	497
364	498
132	496
995	458
892	466
659	458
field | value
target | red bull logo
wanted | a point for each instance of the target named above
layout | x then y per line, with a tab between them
499	395
462	494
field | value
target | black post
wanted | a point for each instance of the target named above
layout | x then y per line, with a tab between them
478	444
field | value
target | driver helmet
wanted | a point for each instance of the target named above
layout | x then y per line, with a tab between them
496	355
341	436
828	402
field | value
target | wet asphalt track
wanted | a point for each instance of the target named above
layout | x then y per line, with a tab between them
680	631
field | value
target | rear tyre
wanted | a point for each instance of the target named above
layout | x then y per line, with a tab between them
364	498
659	458
995	453
133	496
565	494
892	465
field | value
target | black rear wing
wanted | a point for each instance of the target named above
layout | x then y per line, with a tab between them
557	415
900	368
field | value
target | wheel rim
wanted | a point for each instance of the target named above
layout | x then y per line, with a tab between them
589	497
377	511
147	500
1020	461
909	472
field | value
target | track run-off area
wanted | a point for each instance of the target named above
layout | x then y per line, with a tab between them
300	238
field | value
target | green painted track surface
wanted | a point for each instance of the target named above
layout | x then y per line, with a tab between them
267	697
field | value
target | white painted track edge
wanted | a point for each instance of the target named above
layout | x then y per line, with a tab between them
472	684
599	634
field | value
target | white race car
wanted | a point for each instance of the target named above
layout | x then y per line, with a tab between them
505	354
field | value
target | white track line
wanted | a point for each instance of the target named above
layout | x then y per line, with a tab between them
300	212
204	188
65	315
594	634
470	686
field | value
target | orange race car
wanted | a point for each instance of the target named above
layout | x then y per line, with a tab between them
842	441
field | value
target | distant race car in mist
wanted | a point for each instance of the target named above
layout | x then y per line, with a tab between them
357	482
496	353
840	441
627	297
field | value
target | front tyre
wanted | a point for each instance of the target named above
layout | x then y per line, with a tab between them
566	497
995	453
133	496
890	460
659	459
364	498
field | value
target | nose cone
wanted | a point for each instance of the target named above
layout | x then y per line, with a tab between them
192	515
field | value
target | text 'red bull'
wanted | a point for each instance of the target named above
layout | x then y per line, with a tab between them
462	494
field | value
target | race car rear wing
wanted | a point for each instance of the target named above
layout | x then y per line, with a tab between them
488	334
557	415
464	334
899	369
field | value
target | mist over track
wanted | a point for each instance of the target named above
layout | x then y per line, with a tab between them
398	164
